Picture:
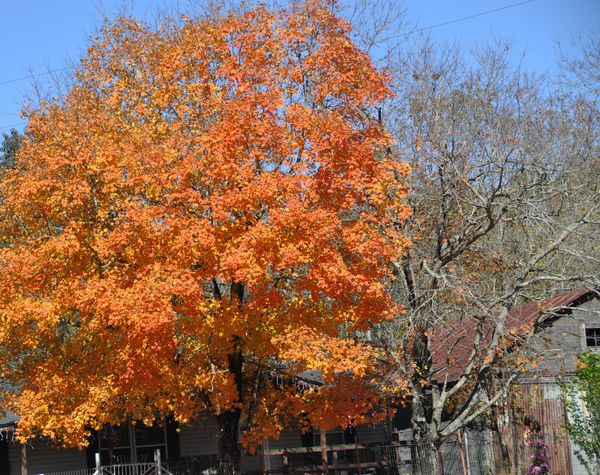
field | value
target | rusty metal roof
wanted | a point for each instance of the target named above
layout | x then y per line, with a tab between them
452	342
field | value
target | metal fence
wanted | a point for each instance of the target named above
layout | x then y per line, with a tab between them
118	469
468	453
466	456
81	471
200	465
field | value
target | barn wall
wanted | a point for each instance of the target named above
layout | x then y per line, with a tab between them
538	409
589	315
564	339
541	414
289	437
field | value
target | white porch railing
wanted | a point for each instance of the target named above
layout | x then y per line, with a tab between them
146	468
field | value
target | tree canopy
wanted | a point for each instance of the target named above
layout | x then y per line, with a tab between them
210	201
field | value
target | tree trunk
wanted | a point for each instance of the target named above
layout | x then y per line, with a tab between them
508	447
228	422
230	454
429	459
424	435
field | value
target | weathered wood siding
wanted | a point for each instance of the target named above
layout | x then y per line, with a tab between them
541	415
538	409
564	339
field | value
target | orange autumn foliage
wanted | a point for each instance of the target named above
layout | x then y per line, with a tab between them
183	164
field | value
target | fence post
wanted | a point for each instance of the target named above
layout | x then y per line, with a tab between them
97	460
334	459
266	459
467	453
157	461
462	452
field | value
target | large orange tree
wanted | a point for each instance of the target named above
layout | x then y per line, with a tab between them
209	204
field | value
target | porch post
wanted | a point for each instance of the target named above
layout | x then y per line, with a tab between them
356	451
23	459
266	458
323	439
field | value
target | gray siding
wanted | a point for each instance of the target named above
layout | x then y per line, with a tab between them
564	339
372	434
199	437
290	437
41	458
589	315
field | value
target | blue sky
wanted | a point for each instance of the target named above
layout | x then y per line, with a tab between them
38	35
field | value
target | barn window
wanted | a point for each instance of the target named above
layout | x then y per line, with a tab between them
592	337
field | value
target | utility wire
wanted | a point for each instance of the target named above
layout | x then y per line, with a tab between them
12	125
456	20
419	30
31	76
475	15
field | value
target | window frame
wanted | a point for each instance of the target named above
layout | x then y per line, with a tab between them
132	444
592	334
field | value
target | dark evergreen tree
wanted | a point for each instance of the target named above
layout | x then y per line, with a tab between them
8	149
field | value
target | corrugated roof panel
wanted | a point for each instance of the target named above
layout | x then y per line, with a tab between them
452	342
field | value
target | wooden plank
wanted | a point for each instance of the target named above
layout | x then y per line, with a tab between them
316	448
346	466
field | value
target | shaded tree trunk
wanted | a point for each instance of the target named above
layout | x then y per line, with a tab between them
230	454
228	425
430	461
228	422
438	465
507	447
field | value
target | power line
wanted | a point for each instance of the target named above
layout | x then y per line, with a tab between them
456	20
12	125
475	15
419	30
32	76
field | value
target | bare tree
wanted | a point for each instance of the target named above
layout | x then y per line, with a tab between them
506	205
581	72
